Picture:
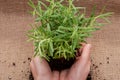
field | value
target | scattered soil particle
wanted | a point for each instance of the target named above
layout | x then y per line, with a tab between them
24	62
107	58
25	74
100	63
13	64
91	60
93	64
28	71
22	71
96	67
29	59
98	70
108	62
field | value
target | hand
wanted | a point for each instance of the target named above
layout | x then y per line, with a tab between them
79	70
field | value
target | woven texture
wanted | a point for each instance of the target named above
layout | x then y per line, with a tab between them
15	51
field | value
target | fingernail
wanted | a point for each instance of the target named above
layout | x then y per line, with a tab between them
89	46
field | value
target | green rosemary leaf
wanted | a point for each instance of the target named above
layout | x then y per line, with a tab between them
40	2
31	4
51	50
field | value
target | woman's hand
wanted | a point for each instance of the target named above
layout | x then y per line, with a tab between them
79	70
41	70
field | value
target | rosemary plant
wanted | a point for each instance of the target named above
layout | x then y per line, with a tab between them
59	28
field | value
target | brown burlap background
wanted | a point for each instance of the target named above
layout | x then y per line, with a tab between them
15	51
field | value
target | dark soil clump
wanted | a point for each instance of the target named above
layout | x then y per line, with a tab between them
13	64
29	59
31	76
107	62
89	77
61	64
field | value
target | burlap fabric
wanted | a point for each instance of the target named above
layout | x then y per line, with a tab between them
15	51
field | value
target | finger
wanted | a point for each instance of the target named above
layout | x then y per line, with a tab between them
41	66
55	75
83	45
86	52
84	58
79	51
87	71
32	67
80	71
63	75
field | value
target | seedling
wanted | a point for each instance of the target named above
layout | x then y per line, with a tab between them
60	28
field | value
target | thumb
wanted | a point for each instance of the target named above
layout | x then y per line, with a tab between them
85	53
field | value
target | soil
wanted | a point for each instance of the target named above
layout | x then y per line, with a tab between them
13	64
61	64
31	76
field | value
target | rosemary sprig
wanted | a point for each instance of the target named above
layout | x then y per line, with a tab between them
62	28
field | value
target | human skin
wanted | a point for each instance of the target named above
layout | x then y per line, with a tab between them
78	71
